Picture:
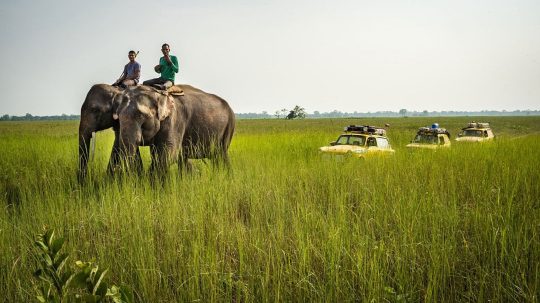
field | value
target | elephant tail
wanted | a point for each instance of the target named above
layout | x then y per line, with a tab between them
228	132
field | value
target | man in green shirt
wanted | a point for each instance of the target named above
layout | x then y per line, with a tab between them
168	66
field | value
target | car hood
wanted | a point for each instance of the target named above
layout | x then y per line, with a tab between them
427	146
470	139
340	149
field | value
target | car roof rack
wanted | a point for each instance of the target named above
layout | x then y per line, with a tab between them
365	129
432	131
477	125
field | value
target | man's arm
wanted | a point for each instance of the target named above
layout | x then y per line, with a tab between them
174	63
122	76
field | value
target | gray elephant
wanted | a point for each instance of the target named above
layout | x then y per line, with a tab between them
194	125
96	115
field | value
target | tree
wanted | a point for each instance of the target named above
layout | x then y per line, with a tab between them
403	112
296	113
300	112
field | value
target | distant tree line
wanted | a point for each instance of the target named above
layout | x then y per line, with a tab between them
29	117
401	113
299	112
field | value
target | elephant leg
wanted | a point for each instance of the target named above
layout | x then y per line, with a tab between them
122	163
114	160
153	171
220	158
153	156
160	162
184	164
156	167
189	166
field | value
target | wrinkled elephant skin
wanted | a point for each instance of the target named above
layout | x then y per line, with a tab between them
195	125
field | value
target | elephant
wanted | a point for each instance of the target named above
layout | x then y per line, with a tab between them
194	125
96	115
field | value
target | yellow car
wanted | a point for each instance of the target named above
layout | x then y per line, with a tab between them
476	132
431	138
360	141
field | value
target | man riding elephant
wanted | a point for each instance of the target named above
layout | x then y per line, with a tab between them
168	66
131	73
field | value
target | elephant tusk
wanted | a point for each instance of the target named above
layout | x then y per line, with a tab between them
92	146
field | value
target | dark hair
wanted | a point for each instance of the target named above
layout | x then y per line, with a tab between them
165	44
131	52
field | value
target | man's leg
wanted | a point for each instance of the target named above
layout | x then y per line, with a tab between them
157	83
127	83
167	84
153	81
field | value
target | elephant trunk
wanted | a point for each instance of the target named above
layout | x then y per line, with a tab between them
85	134
130	139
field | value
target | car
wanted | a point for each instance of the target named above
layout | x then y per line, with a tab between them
431	138
360	141
476	132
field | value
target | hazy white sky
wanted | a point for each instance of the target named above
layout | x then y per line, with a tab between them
266	55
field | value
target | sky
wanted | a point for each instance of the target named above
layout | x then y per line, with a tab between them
343	55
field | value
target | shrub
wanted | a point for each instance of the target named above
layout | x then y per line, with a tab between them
83	282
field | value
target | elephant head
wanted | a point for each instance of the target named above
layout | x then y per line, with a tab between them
96	115
142	112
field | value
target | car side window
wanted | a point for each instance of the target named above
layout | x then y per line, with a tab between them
356	141
342	140
371	142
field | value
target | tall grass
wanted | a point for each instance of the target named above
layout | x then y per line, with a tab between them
287	224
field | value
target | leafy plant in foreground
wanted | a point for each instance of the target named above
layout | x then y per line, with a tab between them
61	283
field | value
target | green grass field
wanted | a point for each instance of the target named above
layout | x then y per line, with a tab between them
287	225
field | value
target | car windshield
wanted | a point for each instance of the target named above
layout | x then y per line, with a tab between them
351	140
472	133
426	139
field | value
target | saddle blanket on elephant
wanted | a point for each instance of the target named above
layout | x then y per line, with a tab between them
175	91
171	91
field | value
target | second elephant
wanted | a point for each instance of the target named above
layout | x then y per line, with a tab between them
195	125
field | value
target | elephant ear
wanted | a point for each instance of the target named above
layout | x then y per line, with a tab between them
165	106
